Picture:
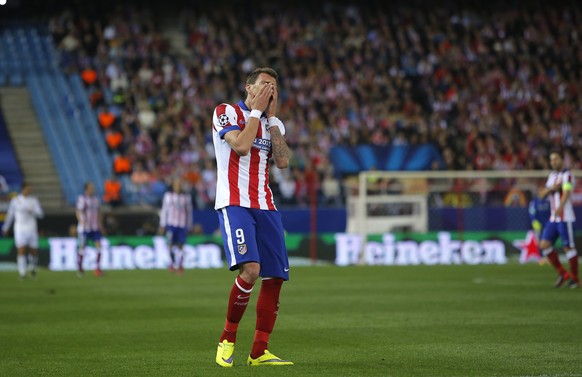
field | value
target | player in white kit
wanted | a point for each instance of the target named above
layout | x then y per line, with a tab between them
558	189
24	210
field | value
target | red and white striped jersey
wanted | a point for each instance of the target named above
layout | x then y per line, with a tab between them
176	210
241	180
561	177
88	209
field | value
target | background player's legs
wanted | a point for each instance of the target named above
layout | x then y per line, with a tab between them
32	260
172	254
567	235
572	256
170	245
238	301
267	310
550	253
80	253
179	250
21	261
98	262
549	237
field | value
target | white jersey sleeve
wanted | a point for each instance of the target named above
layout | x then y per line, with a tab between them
224	120
9	215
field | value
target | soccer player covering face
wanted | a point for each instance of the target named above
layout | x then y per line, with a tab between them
89	226
246	136
24	210
561	225
175	222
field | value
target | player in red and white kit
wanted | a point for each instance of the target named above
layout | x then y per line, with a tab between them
89	226
24	210
246	135
175	222
559	188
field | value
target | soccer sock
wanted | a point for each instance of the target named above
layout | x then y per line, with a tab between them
21	262
80	260
98	267
572	256
172	257
32	262
553	258
240	295
180	257
267	310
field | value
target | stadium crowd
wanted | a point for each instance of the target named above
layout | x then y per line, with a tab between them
493	86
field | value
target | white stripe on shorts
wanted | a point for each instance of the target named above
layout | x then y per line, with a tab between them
229	238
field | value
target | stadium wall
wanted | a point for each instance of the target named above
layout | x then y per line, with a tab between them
329	220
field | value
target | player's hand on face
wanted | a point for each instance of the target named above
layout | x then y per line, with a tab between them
272	108
260	101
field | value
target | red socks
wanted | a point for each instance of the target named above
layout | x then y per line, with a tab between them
573	262
240	295
555	261
267	309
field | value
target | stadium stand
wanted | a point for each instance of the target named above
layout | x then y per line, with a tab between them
482	86
28	57
9	169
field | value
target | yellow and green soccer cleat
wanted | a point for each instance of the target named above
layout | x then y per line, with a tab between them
267	359
224	353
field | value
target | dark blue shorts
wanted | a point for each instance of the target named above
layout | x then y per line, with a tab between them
176	235
254	235
83	237
563	230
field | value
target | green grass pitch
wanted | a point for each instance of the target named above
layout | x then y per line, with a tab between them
486	320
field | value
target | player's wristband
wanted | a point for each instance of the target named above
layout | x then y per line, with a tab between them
276	122
256	114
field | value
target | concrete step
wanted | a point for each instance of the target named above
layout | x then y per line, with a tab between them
28	140
21	123
33	151
40	177
32	141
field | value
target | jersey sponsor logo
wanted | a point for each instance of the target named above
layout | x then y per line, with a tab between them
262	144
242	249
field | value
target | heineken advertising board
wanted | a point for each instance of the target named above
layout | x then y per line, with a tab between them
432	248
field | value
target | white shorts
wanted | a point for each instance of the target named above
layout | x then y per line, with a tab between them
29	239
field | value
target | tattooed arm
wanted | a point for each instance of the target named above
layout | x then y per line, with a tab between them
280	149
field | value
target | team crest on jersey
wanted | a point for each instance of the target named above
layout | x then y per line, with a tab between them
242	249
223	120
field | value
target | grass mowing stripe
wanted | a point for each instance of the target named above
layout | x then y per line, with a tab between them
485	320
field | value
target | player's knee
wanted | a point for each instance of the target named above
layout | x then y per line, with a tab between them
249	272
544	244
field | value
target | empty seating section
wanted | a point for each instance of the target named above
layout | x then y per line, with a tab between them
28	57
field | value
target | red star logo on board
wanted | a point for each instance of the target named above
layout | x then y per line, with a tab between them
529	248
